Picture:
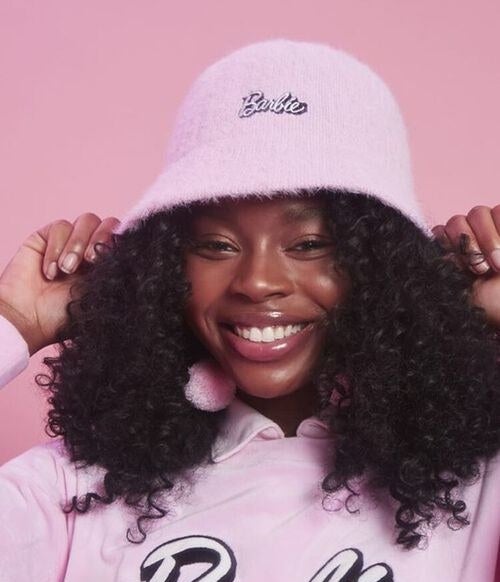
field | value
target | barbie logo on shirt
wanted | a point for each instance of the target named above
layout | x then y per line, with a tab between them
164	563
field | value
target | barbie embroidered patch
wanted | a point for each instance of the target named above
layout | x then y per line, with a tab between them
255	102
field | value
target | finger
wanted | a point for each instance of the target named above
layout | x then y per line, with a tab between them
472	256
486	232
56	234
443	239
440	235
72	253
495	215
101	235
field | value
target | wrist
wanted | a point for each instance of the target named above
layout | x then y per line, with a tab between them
22	326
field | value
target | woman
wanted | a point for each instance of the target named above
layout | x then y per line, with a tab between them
271	366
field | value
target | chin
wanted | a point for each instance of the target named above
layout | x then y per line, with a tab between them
267	394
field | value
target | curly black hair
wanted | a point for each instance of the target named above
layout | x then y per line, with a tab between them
413	364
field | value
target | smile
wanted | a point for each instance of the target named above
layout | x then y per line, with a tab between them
265	344
269	333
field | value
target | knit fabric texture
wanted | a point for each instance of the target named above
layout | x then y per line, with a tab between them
283	115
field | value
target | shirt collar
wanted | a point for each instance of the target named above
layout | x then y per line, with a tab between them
244	423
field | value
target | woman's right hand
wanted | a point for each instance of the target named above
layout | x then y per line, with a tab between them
35	285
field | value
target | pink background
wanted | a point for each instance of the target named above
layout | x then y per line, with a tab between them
89	90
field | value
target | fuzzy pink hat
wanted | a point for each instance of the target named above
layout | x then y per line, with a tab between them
285	115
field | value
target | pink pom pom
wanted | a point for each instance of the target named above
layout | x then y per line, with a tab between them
209	387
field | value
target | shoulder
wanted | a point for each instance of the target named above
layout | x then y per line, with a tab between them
491	471
43	458
482	491
48	467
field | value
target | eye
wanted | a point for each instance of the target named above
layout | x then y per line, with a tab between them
212	245
312	244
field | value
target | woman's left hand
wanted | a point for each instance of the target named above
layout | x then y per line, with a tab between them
482	225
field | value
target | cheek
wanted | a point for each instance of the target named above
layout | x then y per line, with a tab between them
325	285
327	292
206	289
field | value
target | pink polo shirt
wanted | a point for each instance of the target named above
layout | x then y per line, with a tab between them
254	516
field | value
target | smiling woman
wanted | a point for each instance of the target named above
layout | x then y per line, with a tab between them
398	369
280	380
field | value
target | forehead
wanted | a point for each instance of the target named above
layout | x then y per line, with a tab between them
285	209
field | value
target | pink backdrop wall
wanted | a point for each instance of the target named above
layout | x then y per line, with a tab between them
89	90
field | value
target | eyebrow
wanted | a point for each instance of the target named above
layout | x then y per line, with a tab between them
292	214
302	213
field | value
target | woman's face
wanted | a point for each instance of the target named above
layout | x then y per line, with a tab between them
259	264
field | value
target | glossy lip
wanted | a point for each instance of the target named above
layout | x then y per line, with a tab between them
265	351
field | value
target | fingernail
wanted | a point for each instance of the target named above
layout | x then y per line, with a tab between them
69	262
481	267
52	270
495	258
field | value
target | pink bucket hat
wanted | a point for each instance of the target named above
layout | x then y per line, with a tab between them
281	115
285	115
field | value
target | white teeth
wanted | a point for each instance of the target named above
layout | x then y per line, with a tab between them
268	334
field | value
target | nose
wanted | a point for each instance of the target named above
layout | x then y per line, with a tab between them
262	274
